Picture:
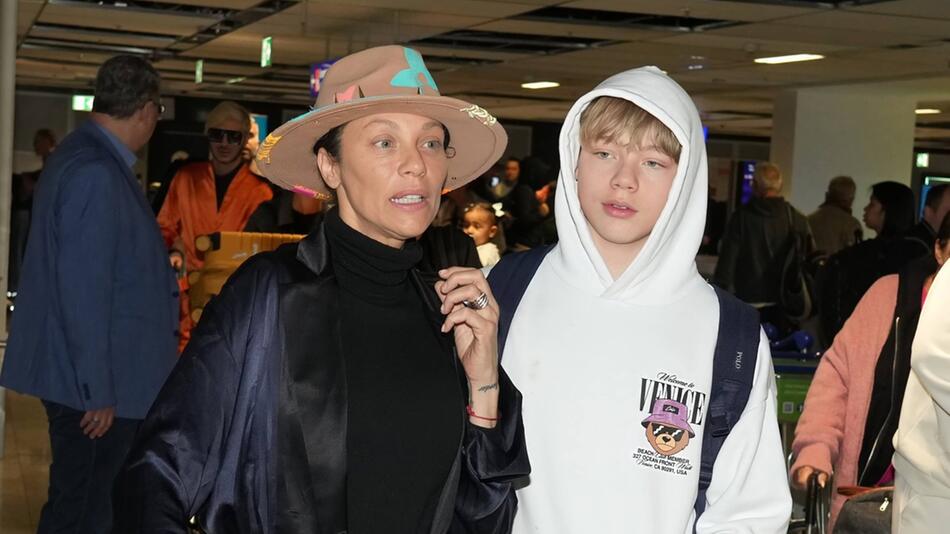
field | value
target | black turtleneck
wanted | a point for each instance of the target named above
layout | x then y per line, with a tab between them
404	419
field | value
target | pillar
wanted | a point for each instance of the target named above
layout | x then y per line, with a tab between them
8	35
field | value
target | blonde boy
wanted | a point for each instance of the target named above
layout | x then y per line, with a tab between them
613	340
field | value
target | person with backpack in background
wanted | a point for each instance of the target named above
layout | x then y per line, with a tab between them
611	335
762	239
848	274
854	402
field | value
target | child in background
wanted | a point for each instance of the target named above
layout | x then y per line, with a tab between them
480	224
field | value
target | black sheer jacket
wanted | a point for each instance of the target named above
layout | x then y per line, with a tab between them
249	432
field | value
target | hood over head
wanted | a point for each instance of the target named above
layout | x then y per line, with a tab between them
665	268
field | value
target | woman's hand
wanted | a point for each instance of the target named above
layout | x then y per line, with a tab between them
476	337
800	477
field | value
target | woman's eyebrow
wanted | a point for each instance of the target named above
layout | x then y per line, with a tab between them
384	122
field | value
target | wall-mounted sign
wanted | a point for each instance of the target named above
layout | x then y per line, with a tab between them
82	102
266	51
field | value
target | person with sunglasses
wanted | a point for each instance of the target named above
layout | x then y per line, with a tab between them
211	196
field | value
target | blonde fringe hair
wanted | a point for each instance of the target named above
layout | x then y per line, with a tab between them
228	110
615	120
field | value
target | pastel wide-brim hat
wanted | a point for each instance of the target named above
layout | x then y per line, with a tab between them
385	79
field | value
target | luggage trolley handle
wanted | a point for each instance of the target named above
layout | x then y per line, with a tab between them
815	516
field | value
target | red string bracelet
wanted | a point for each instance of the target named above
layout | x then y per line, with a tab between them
471	413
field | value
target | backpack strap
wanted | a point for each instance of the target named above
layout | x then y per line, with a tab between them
508	280
734	362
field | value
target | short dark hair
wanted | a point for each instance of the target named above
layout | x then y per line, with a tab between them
943	233
44	133
898	202
123	85
483	206
935	195
332	140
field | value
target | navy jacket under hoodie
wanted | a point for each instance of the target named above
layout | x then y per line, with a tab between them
249	433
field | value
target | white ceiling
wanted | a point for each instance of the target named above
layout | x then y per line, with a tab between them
893	42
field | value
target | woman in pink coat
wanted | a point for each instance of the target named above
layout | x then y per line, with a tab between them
853	406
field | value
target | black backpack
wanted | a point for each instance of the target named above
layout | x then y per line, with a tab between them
734	361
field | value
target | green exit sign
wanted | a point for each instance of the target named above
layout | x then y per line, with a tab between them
266	51
199	70
82	102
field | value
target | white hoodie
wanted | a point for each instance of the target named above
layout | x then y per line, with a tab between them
922	441
591	355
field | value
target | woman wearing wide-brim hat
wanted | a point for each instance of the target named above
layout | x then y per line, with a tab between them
329	388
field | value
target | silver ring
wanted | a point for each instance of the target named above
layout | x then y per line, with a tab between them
94	420
479	303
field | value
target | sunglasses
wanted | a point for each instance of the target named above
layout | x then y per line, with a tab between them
232	137
676	433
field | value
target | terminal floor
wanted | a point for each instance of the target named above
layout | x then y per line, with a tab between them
24	468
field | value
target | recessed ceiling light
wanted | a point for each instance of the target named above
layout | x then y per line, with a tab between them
927	111
695	67
788	59
540	85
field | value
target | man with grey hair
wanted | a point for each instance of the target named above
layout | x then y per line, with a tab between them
832	224
756	243
94	332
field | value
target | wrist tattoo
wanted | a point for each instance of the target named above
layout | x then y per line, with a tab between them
489	387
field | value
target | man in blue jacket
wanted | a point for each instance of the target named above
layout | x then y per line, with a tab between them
94	333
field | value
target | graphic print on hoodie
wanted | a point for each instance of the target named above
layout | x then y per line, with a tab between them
616	373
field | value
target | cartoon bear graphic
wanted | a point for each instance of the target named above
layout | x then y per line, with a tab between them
667	428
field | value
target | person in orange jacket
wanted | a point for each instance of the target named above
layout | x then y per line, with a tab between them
212	196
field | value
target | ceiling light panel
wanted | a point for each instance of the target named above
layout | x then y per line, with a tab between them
791	58
540	85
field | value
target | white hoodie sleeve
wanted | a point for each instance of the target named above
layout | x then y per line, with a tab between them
749	492
931	352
